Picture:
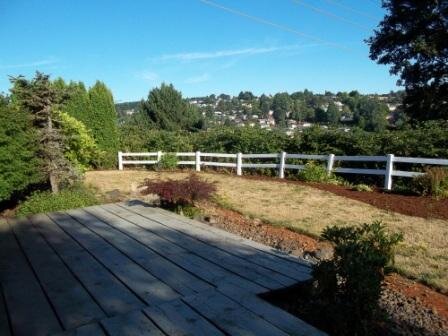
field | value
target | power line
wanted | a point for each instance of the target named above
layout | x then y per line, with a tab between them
329	14
273	24
337	3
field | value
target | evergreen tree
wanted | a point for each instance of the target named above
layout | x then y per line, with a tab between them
39	97
281	106
78	104
102	121
167	110
19	165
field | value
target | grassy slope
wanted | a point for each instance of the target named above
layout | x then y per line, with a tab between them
423	255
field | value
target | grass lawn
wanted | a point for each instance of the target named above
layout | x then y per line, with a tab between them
423	255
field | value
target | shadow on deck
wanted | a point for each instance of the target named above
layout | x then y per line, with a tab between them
132	269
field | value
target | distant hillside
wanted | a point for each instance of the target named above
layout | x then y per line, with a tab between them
128	108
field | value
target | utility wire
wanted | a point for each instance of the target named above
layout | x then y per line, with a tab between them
273	24
329	14
337	3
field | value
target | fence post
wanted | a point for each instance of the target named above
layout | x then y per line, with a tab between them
281	168
159	156
198	161
389	171
239	164
120	160
330	163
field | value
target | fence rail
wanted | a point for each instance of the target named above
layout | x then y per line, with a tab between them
388	172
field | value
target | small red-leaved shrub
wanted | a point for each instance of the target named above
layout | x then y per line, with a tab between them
185	192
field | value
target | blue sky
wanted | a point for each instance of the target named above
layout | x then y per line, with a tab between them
202	47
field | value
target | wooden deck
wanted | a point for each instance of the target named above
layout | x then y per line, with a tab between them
131	269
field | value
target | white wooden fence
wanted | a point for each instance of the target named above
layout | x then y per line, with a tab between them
281	165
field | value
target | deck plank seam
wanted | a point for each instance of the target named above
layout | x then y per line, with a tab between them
8	313
205	318
192	252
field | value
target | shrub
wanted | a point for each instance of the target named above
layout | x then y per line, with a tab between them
175	194
80	147
351	281
168	161
434	182
315	173
45	201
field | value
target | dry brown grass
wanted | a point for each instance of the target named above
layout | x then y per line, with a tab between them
424	254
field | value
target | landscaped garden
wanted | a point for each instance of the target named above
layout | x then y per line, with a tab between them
291	215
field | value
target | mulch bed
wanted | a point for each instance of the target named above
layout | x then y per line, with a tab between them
418	206
415	308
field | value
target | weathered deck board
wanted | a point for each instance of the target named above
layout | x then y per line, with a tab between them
142	283
274	315
108	270
109	292
228	242
72	302
176	318
93	329
230	316
183	282
260	275
193	263
28	317
134	323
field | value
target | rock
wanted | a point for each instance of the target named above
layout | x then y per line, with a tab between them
210	219
113	195
324	251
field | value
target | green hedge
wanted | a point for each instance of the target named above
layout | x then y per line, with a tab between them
427	140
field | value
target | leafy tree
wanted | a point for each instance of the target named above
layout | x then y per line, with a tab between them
412	38
265	105
40	99
19	164
246	95
167	110
103	122
281	106
333	114
224	96
371	115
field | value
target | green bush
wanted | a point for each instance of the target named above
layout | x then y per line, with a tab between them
168	161
313	172
45	201
80	147
350	283
434	182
